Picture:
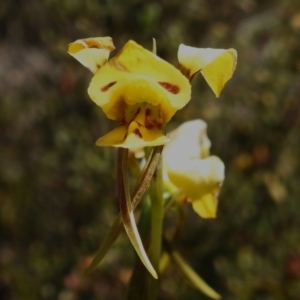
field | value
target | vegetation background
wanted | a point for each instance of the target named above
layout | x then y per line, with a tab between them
58	190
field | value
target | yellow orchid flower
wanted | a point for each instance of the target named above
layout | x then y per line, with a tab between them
141	91
216	65
190	171
136	88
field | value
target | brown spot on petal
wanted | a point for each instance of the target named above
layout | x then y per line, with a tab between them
138	133
117	65
149	122
108	86
172	88
99	43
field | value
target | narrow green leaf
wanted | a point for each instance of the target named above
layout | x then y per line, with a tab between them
157	217
146	176
193	277
133	234
139	190
127	214
138	286
110	238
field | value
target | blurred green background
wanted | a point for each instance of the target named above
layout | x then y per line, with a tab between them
58	190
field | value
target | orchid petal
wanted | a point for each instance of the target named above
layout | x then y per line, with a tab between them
216	65
138	75
206	207
189	140
132	137
197	177
93	53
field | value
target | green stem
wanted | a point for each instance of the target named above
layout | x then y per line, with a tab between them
140	188
157	213
127	213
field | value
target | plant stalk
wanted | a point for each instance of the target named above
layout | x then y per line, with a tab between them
157	213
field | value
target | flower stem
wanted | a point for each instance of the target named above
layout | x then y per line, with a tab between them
127	213
139	190
157	213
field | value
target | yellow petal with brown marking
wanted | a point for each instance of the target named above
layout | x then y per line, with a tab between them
93	53
140	76
140	61
133	136
216	65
